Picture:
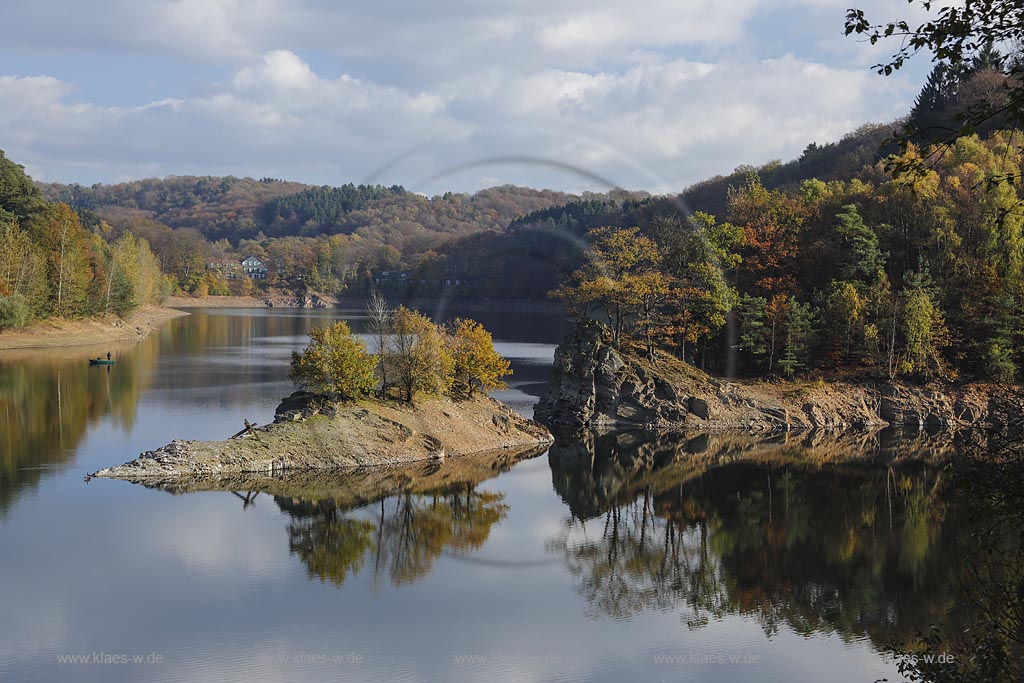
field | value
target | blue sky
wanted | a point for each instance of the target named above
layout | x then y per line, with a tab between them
652	94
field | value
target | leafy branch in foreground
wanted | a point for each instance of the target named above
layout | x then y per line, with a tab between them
987	89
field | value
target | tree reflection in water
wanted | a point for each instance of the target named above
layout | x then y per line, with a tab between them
49	400
853	536
402	538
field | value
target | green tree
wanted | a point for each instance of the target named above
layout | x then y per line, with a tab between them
699	256
860	255
20	200
752	336
799	341
335	362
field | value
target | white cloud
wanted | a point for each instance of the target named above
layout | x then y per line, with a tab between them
280	69
402	40
654	94
655	126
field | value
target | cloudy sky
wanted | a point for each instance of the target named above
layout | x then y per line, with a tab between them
446	94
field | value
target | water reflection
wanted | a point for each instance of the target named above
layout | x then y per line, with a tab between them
858	544
401	540
200	367
398	520
49	400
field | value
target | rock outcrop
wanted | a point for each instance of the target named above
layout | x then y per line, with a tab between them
308	300
595	385
311	433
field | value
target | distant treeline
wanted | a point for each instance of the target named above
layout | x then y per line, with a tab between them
335	238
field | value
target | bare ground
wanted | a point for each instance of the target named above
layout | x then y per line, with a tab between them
59	332
361	434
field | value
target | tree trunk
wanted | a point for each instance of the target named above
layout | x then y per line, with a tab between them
892	346
60	270
110	283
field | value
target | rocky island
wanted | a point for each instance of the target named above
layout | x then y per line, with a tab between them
421	397
311	434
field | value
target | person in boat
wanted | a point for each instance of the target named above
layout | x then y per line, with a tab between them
108	355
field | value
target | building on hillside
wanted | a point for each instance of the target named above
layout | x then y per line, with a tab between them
391	277
229	269
401	278
254	267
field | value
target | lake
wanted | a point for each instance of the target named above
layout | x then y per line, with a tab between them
609	558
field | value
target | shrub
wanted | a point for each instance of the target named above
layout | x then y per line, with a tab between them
14	311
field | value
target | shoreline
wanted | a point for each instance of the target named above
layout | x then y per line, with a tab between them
215	302
105	329
359	303
441	303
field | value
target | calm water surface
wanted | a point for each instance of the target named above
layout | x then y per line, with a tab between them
609	558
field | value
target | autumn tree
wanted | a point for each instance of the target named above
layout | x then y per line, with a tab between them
336	362
958	36
133	275
844	309
771	222
615	256
476	364
62	236
647	295
22	267
924	329
14	311
420	362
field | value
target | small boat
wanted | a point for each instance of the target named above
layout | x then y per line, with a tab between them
101	361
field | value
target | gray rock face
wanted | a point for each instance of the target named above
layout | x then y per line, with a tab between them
595	385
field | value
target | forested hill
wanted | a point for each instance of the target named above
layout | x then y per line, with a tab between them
53	266
238	209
